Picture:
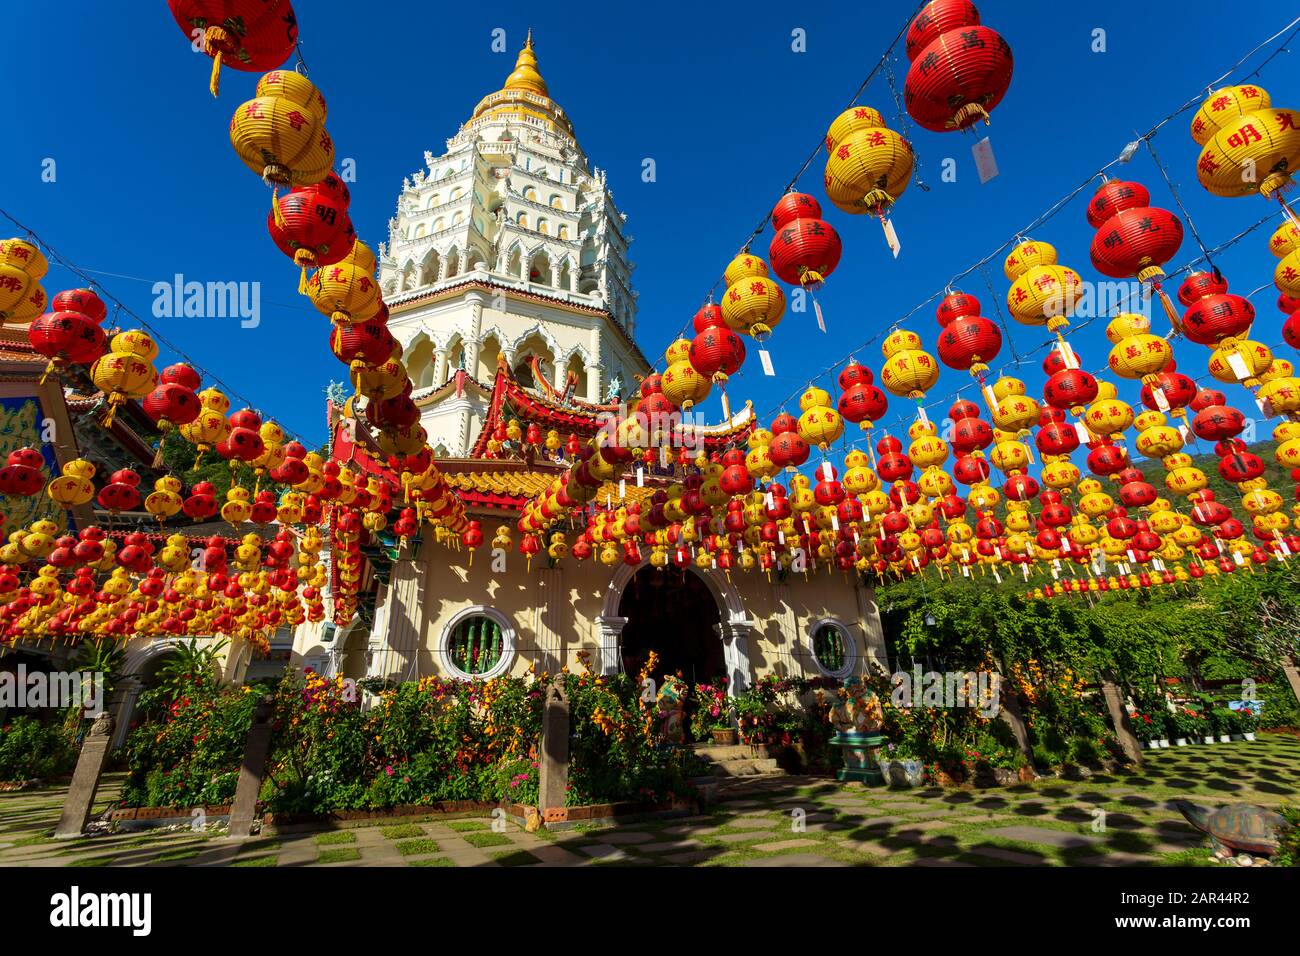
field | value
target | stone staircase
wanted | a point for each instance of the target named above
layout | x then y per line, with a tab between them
738	760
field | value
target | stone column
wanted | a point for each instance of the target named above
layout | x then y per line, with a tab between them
595	382
440	374
1292	671
85	779
1119	718
442	270
736	635
257	749
474	341
126	693
611	632
553	769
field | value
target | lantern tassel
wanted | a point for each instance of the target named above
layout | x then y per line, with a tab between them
214	83
1170	312
48	369
275	207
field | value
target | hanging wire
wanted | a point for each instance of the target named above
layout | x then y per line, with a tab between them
1053	210
1187	217
119	308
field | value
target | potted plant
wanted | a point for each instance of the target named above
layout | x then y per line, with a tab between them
1185	724
714	714
1248	722
1225	722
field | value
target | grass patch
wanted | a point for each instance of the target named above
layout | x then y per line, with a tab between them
256	861
432	861
30	841
345	854
466	826
482	840
417	847
175	856
402	831
93	861
333	839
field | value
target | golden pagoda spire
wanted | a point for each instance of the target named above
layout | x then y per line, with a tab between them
526	75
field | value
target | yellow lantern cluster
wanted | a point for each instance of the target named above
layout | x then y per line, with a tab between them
126	371
1247	145
682	384
753	304
74	486
819	424
280	133
165	500
211	425
1285	244
347	290
869	165
22	267
1136	353
909	370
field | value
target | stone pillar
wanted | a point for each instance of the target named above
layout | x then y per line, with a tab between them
474	340
126	693
549	613
1011	713
442	270
553	769
440	373
1292	670
1119	718
611	632
80	801
257	749
595	382
736	635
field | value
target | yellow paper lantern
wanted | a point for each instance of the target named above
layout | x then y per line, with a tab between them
684	386
869	165
909	370
1248	145
280	134
753	304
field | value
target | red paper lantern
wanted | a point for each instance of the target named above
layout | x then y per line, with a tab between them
806	249
249	35
968	343
788	450
717	353
66	338
862	403
1070	388
314	228
960	70
955	305
1134	239
709	317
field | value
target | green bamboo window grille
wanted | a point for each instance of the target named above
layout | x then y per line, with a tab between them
829	648
476	645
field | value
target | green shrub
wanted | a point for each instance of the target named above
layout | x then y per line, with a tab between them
31	750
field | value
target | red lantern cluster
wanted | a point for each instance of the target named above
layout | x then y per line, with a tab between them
70	334
806	249
1213	313
960	69
313	227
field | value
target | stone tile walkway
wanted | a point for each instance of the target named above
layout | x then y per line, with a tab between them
1122	820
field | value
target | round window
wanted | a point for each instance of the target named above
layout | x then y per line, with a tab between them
833	649
477	646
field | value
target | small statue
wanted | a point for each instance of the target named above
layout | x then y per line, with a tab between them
671	705
858	711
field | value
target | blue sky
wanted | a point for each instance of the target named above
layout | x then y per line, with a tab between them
148	186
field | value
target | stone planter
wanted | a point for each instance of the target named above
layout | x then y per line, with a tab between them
1249	736
859	754
1225	739
1164	742
1153	745
725	738
902	773
1209	739
1180	741
1236	737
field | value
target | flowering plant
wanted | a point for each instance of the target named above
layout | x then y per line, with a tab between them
713	711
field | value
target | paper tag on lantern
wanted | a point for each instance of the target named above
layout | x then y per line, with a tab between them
640	476
1265	407
1056	564
1162	400
920	413
1219	545
985	164
1025	569
891	237
1131	556
1236	556
769	501
609	500
1081	430
622	488
780	537
965	571
766	360
1238	366
1029	453
989	397
1158	564
1067	354
817	311
1282	546
1056	575
663	456
997	577
835	523
1184	431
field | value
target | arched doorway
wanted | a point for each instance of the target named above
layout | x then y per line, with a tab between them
672	612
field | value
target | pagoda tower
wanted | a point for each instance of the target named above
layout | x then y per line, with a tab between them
508	248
